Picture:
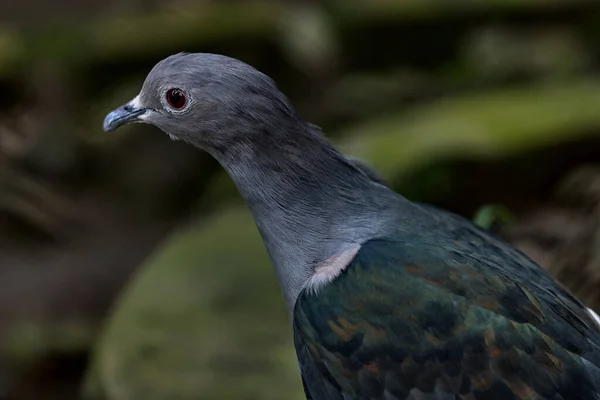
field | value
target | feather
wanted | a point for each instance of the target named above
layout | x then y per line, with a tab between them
470	319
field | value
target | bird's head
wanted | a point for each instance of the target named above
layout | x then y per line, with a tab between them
206	99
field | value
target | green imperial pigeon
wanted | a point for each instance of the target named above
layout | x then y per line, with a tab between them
389	299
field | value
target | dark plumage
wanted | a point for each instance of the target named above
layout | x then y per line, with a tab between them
389	299
433	321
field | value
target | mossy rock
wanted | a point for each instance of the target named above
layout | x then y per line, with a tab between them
489	125
203	320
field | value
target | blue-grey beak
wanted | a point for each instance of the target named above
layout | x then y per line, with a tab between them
123	115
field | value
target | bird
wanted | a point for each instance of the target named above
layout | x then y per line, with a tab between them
388	299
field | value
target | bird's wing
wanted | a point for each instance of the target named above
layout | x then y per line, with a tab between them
471	318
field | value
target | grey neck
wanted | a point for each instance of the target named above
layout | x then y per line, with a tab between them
309	202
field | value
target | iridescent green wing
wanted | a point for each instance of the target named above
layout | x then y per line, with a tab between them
472	319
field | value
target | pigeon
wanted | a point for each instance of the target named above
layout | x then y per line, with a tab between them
388	299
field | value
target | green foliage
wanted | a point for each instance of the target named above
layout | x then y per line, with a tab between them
491	214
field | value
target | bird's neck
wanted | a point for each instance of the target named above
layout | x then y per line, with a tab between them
309	202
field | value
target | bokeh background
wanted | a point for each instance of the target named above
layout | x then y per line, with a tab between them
130	268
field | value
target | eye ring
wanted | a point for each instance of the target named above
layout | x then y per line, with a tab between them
176	99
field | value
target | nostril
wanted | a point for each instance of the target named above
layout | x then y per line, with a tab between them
128	107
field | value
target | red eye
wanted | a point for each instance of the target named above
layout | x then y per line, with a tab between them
176	98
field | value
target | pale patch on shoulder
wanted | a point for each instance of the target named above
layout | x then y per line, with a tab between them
595	316
326	271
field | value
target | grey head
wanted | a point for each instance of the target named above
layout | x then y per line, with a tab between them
207	99
309	202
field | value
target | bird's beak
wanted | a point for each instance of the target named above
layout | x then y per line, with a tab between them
127	113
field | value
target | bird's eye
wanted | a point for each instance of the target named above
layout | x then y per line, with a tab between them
176	99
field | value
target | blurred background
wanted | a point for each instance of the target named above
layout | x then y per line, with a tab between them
130	268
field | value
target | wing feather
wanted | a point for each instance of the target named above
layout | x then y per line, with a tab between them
474	319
